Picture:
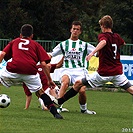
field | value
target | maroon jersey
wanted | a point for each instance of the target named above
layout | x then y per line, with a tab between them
43	78
25	54
109	55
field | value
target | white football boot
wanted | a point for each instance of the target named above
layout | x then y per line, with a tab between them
88	112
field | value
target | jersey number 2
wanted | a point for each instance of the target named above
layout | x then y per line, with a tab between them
20	45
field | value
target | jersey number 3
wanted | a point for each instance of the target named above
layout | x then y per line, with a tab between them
115	50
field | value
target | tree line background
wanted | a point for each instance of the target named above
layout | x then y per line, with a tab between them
52	19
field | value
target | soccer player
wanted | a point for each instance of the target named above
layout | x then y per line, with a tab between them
25	54
74	52
51	92
110	68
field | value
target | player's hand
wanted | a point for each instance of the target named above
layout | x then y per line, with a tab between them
51	84
89	56
49	66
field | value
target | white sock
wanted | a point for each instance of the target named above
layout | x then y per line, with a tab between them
83	107
41	102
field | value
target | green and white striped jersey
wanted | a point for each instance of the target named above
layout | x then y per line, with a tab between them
74	53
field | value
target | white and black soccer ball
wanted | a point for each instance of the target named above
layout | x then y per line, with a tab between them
4	100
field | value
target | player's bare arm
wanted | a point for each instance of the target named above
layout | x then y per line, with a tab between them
46	70
100	45
60	63
2	54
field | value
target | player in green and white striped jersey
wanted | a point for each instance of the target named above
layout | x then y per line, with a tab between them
74	66
74	53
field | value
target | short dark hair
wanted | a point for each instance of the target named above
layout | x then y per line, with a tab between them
26	30
77	23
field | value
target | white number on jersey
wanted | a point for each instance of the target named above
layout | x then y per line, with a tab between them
115	50
20	45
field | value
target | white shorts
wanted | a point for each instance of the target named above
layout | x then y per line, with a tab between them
73	73
33	82
95	80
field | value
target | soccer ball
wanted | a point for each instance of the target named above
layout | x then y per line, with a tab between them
4	101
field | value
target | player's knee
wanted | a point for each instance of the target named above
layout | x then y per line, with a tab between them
78	84
65	84
82	90
65	80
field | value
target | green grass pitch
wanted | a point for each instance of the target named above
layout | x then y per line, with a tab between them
114	114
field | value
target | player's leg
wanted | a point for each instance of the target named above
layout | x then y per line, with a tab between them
7	78
43	107
77	86
64	85
28	101
65	80
49	104
73	91
70	93
28	96
83	101
123	82
130	90
54	92
33	83
79	73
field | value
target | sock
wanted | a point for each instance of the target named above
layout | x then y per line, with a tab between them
46	99
41	102
53	110
69	94
83	107
48	102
